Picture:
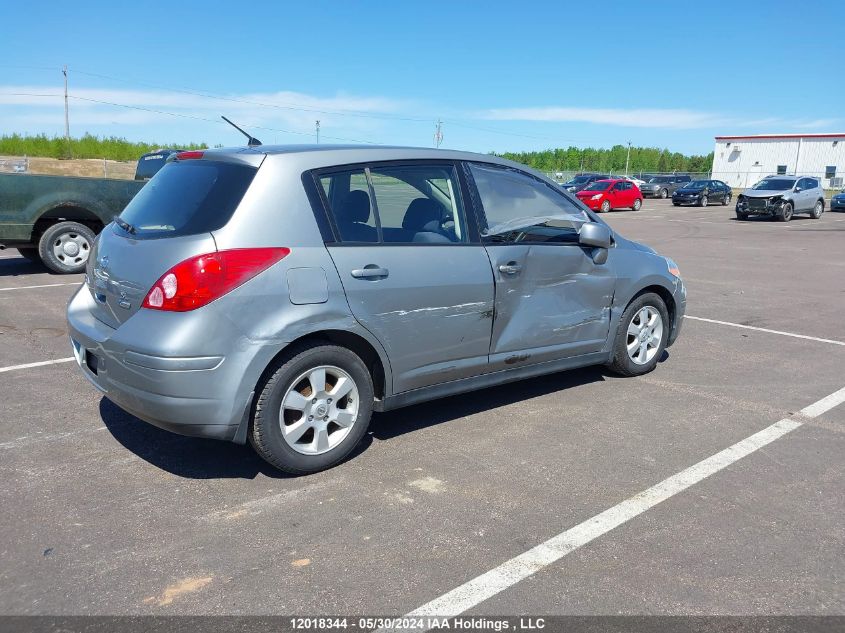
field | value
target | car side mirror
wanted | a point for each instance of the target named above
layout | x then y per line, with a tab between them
797	189
595	234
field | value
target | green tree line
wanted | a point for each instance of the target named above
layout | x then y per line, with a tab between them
87	146
643	159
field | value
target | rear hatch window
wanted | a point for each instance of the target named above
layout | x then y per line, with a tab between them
186	198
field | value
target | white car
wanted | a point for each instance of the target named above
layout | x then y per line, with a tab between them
634	180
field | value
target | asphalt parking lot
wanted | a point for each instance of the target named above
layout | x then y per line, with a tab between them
104	514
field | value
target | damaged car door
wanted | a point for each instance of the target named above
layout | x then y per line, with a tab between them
553	294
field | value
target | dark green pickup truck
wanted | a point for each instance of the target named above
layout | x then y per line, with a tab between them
54	219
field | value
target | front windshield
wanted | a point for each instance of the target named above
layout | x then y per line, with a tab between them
697	184
598	185
774	184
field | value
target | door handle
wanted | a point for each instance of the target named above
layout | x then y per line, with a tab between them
369	272
511	268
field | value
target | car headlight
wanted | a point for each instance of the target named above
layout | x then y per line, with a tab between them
596	197
673	267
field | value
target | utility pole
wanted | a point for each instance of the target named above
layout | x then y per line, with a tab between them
67	120
318	132
628	158
438	133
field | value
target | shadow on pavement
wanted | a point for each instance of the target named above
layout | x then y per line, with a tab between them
198	458
394	423
14	266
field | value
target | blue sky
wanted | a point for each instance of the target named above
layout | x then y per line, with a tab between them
501	75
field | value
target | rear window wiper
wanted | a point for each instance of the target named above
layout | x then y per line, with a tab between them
124	225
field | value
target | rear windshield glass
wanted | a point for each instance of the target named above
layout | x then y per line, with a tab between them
186	198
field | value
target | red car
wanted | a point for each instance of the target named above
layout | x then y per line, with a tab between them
606	195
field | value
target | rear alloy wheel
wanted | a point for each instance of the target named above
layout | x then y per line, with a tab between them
726	200
817	211
786	212
641	336
664	193
605	206
64	247
313	410
637	204
703	202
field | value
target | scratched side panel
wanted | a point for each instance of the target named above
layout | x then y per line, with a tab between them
432	313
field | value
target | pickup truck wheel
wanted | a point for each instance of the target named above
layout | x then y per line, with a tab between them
664	193
64	247
313	410
786	212
641	336
30	253
817	211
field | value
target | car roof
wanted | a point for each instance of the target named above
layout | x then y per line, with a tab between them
312	156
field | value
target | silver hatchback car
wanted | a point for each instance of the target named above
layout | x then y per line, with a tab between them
282	294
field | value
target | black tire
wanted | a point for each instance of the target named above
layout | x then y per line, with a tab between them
677	204
31	254
818	209
620	362
66	263
638	204
786	212
740	215
726	200
605	207
266	434
703	201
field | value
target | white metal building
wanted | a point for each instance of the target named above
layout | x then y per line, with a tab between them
741	161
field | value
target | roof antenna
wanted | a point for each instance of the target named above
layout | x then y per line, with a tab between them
252	142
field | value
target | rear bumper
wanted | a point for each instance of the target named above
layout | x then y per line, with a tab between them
197	395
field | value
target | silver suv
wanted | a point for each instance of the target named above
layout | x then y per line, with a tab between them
781	197
281	295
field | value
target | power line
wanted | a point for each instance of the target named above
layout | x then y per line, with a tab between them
215	121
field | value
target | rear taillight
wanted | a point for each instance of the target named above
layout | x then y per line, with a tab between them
200	280
192	155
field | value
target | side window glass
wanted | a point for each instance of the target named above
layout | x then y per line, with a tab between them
520	208
349	202
418	204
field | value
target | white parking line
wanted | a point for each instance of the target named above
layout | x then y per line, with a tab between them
768	331
524	565
39	364
73	283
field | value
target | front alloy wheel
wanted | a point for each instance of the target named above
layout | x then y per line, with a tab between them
641	336
605	206
664	193
703	201
645	334
818	209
